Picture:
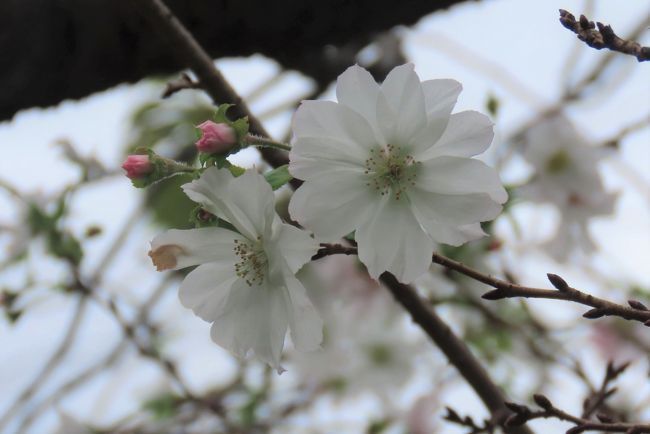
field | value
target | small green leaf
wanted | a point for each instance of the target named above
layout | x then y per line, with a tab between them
236	170
492	105
241	128
220	114
162	407
278	176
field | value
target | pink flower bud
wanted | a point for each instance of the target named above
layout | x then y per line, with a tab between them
137	166
216	138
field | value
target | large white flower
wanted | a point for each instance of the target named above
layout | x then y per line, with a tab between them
566	176
393	164
245	284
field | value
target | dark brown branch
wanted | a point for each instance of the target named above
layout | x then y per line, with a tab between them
505	289
178	84
189	52
524	414
596	400
454	348
333	249
468	422
636	311
603	37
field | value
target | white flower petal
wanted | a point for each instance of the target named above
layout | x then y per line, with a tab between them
401	113
254	318
294	245
304	322
440	97
456	210
455	175
394	241
328	119
357	89
176	249
206	288
311	157
467	134
222	194
451	234
333	207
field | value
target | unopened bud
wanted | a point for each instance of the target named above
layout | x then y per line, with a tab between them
216	138
137	166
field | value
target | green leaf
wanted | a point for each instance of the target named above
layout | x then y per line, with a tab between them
220	114
278	176
169	205
64	245
236	170
241	127
162	407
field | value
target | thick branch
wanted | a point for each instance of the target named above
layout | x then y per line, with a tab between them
189	52
454	348
74	48
603	37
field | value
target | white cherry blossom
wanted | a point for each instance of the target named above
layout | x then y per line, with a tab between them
245	282
393	164
566	175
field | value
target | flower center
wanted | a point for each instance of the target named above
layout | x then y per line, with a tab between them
252	265
390	170
380	355
559	162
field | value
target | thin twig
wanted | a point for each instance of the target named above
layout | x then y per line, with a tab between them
524	414
142	317
603	37
178	84
636	310
52	363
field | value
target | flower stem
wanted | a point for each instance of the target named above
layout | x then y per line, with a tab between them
266	142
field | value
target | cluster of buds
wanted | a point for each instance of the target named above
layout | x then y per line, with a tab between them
218	138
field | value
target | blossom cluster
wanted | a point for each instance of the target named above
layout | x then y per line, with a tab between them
388	166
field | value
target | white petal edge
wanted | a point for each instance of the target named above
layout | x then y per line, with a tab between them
188	247
394	241
357	89
457	175
245	201
336	121
206	289
467	134
304	321
333	207
253	319
404	102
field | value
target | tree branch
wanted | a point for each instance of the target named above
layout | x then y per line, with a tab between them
524	414
636	311
504	289
604	37
189	52
454	348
